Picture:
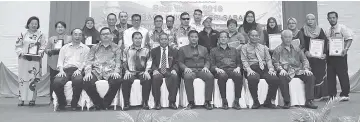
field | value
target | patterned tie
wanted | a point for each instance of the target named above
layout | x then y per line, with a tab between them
261	63
163	62
332	31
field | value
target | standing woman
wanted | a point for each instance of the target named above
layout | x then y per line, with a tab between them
250	24
53	48
90	31
318	65
271	28
32	41
297	34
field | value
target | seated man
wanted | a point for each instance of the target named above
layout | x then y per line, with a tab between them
70	64
165	65
258	65
226	62
194	61
291	62
137	63
103	63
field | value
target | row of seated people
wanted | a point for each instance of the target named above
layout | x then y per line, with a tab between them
106	61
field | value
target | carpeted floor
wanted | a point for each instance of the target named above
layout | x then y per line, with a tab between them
10	112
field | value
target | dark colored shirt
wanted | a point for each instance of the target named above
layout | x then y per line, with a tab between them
228	58
194	58
116	35
321	36
208	40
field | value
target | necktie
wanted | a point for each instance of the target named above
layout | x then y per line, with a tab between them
332	31
163	62
261	63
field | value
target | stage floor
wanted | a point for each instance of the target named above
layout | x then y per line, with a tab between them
10	112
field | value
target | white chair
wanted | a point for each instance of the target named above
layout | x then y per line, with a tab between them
230	94
262	92
199	93
164	101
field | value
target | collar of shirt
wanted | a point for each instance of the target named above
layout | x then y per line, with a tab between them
211	31
183	27
283	47
158	30
135	48
231	35
166	48
80	45
227	47
106	46
254	45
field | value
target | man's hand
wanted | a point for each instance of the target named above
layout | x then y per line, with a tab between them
219	71
250	72
344	52
173	72
272	72
146	75
115	75
323	56
308	73
61	74
155	72
237	70
283	72
205	70
307	53
188	70
76	73
127	75
88	77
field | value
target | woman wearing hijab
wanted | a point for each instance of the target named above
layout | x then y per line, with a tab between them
318	65
250	24
271	28
297	34
29	48
90	31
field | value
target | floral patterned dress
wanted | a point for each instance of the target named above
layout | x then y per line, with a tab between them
29	71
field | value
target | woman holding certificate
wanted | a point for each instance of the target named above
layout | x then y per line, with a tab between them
316	49
272	36
250	24
30	47
91	35
298	36
53	48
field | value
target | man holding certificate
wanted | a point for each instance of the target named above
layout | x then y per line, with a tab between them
291	62
340	40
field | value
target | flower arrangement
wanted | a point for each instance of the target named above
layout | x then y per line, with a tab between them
144	116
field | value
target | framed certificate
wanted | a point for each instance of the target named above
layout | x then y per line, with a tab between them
274	41
316	47
88	41
296	42
182	41
336	46
58	44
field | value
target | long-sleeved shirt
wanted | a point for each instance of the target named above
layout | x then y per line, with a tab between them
103	60
154	36
248	55
182	35
292	61
128	36
194	58
236	39
228	58
130	59
73	56
53	59
208	40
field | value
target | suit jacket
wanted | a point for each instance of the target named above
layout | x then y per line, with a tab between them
172	59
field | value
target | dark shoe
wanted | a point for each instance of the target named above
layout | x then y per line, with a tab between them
60	108
145	106
126	106
236	105
73	108
32	103
191	105
286	105
207	105
21	103
225	105
157	106
310	104
270	105
172	106
256	105
97	108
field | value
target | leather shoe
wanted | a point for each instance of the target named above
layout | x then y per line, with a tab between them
236	105
191	105
207	105
256	105
60	108
225	105
145	106
172	106
286	105
310	104
126	106
157	106
73	109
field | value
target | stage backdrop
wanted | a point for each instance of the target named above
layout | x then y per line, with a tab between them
221	11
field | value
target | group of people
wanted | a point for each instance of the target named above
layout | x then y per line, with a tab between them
121	53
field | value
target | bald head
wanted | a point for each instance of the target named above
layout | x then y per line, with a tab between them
286	37
286	33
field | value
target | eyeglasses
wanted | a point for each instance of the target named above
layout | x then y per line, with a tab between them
185	18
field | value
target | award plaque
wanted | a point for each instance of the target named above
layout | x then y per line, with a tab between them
274	41
88	41
316	47
182	41
58	43
336	46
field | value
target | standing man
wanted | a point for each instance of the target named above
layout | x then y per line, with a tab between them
111	20
291	62
236	38
198	14
136	21
122	26
155	33
165	65
170	29
337	65
195	62
103	63
226	62
208	37
182	33
71	62
137	63
258	65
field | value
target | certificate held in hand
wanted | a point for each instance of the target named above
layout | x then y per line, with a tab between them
88	41
274	41
336	46
58	44
316	47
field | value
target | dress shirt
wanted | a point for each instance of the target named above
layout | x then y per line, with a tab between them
208	40
292	61
197	27
103	60
52	60
182	32
166	54
236	39
228	58
154	36
129	61
194	57
128	36
248	55
71	56
340	30
171	31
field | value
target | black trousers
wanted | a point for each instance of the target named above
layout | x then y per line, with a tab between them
90	88
337	66
53	73
208	78
146	87
309	86
172	84
77	83
223	78
253	81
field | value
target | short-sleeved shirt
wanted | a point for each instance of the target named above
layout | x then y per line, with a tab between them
340	30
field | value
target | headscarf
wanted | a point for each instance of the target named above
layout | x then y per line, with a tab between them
296	30
249	26
311	31
91	32
272	30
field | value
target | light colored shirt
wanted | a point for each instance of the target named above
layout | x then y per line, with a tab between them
53	59
129	59
128	36
73	56
154	36
197	27
236	40
340	30
248	55
166	56
182	35
170	31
